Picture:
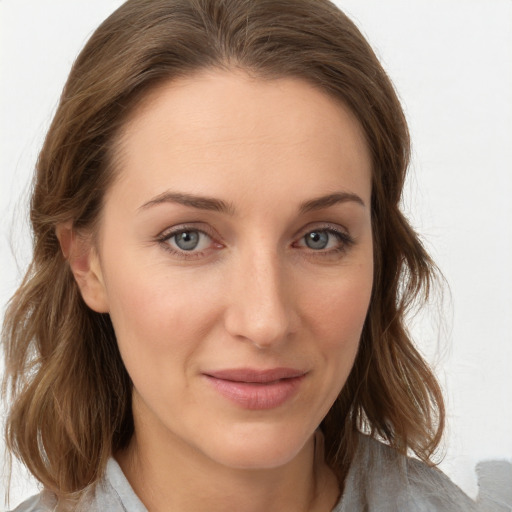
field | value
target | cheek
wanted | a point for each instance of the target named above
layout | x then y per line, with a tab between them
159	314
336	315
338	309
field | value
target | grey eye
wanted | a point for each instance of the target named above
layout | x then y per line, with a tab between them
187	240
317	239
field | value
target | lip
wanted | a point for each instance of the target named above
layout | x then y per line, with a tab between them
255	389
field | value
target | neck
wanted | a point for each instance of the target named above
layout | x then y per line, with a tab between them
175	476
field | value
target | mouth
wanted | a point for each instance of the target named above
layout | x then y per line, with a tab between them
257	389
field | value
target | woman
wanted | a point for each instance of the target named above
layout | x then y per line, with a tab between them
214	315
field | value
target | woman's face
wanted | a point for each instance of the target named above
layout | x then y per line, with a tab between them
235	259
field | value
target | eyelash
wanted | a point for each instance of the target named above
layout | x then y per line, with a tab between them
345	240
167	235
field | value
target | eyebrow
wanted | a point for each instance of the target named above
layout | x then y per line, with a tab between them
218	205
330	200
199	202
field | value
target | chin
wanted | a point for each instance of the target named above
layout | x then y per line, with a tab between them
258	448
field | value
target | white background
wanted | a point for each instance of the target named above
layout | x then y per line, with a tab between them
451	61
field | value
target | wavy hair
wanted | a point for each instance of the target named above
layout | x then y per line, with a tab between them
69	392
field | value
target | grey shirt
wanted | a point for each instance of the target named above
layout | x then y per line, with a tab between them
379	480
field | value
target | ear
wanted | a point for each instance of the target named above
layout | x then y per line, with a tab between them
84	262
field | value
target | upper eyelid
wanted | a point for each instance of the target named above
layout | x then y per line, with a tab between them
180	228
322	226
325	229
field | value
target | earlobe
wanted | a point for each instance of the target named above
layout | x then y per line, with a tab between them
84	263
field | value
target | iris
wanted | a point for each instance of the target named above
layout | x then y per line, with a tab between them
187	240
317	239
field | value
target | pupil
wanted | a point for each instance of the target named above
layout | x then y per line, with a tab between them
188	240
317	240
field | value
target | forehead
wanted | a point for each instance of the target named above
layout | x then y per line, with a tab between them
225	129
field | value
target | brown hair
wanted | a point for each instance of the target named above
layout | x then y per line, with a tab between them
71	395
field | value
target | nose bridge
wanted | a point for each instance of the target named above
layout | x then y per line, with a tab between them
259	309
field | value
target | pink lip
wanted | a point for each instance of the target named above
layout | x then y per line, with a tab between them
257	389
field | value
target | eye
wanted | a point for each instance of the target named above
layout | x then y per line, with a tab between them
325	240
183	240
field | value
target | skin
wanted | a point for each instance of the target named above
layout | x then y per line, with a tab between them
252	294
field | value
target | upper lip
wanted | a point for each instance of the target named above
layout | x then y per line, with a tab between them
255	375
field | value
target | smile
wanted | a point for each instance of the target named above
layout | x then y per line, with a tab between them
256	389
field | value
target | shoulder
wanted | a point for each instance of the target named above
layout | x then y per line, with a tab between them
43	502
431	489
381	479
112	493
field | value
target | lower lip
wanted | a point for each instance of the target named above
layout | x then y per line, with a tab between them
257	396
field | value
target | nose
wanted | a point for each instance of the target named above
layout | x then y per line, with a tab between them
259	307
